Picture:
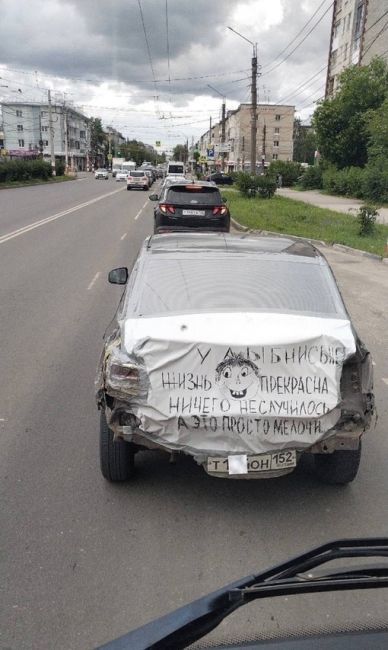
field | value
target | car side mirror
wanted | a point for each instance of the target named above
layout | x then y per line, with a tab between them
153	197
118	276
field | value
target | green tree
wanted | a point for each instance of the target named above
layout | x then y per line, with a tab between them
97	136
180	152
305	143
377	130
341	121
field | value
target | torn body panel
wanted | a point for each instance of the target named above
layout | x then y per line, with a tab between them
219	406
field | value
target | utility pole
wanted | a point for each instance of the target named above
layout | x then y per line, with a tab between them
253	99
254	110
223	116
66	138
51	129
263	146
223	132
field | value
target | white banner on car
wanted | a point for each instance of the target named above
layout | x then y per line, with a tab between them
239	383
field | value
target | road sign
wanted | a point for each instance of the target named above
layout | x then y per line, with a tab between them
223	147
203	159
210	152
157	143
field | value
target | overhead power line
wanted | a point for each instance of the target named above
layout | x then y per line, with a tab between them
300	43
295	37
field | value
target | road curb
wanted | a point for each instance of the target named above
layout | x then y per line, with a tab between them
238	225
316	242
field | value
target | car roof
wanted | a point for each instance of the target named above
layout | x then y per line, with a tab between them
242	243
187	181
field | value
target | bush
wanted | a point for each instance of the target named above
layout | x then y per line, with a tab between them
367	219
311	178
289	171
375	181
345	182
266	186
24	170
246	183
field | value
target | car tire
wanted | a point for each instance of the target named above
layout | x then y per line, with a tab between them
116	456
128	188
338	468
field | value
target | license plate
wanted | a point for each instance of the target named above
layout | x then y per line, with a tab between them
258	463
193	213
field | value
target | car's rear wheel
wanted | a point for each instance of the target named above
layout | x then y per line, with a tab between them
116	456
128	188
338	468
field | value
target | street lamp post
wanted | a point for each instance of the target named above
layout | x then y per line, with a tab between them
253	99
222	122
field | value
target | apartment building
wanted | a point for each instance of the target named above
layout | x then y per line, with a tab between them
358	33
274	137
27	132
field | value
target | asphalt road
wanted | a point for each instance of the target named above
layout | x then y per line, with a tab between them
83	561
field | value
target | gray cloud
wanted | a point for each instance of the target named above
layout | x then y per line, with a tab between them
95	42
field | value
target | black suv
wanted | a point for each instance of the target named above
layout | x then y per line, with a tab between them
188	205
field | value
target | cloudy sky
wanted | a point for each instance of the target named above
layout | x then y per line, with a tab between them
144	66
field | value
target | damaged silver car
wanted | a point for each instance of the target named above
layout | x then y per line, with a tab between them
238	351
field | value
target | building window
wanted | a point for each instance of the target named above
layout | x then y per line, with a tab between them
45	143
76	144
336	28
82	135
274	156
20	127
345	51
276	143
330	86
21	143
277	129
359	17
348	22
19	113
277	118
44	129
334	57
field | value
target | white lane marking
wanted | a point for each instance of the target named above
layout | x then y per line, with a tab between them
81	179
141	210
123	236
42	222
385	380
94	280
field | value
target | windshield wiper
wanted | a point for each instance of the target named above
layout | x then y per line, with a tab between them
295	576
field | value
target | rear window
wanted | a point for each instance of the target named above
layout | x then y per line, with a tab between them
209	283
137	174
194	195
175	169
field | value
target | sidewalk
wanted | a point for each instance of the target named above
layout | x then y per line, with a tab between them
337	203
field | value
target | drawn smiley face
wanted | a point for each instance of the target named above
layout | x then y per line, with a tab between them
237	378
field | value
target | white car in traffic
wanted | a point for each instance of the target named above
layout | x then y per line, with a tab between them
101	173
122	176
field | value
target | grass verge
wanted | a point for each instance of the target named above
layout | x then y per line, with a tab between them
291	217
35	181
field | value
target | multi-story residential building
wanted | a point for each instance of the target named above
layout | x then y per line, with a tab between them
115	138
274	137
27	132
358	33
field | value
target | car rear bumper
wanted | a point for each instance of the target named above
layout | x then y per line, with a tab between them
137	186
165	224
